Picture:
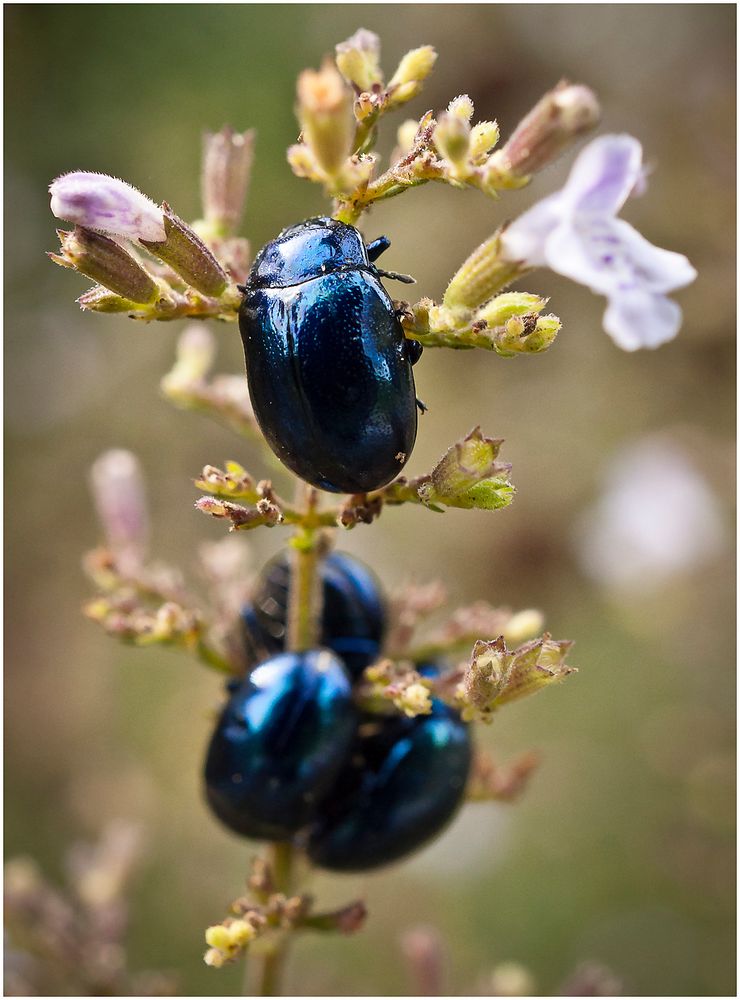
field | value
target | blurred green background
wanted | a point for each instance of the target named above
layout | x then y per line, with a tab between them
622	848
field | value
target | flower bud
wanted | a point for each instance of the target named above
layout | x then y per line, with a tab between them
227	161
462	107
527	334
452	138
218	937
405	138
501	308
102	259
302	161
559	117
481	276
97	201
215	958
358	59
240	933
188	255
100	299
325	115
120	500
523	625
196	350
413	69
483	138
469	475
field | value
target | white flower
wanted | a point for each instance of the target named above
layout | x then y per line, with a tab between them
106	204
576	233
657	518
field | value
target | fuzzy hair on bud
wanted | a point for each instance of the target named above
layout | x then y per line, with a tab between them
98	201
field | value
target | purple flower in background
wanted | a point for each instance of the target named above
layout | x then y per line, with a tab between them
576	233
109	205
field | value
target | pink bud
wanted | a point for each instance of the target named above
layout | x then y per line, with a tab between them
107	204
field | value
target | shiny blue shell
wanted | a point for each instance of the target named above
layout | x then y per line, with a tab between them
279	744
328	366
352	620
403	782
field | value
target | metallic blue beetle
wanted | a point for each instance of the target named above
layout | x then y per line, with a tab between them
353	615
328	365
279	744
403	781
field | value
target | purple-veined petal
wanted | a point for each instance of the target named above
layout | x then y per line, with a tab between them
641	319
604	174
525	238
107	204
659	269
610	256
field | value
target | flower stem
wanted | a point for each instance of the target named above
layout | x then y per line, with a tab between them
304	613
272	959
304	603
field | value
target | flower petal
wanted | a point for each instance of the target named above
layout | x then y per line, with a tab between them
604	174
661	270
107	204
610	257
641	319
525	238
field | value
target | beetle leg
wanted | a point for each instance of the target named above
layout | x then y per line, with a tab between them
421	405
242	289
377	247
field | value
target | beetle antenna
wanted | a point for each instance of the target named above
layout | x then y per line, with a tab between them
395	276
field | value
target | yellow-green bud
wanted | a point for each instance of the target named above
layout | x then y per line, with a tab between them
466	463
325	115
405	137
414	700
452	138
415	66
508	304
100	299
240	933
196	350
358	59
523	625
302	161
483	138
481	276
461	106
413	69
219	937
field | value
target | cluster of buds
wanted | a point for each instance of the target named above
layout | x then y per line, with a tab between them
139	601
266	911
472	314
338	108
145	260
468	475
70	941
398	683
493	676
223	397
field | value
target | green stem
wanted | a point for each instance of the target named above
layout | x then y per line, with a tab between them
270	963
304	612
